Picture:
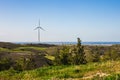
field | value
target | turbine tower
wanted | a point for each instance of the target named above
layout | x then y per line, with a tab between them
39	28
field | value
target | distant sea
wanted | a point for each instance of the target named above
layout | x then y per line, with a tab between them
70	43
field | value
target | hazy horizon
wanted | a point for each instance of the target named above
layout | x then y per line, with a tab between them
63	20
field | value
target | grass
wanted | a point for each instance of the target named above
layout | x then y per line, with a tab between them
3	49
50	57
91	71
27	48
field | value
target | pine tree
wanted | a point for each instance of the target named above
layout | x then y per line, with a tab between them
80	54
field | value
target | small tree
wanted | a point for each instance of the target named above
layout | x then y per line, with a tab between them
57	60
96	54
80	54
62	56
67	56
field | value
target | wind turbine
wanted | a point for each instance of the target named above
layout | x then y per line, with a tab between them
39	28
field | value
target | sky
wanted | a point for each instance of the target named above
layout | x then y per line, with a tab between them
63	20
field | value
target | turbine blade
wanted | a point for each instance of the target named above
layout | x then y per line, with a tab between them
36	28
42	28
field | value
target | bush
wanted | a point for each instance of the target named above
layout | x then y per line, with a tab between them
5	63
62	56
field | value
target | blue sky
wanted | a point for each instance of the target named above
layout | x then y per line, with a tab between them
63	20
